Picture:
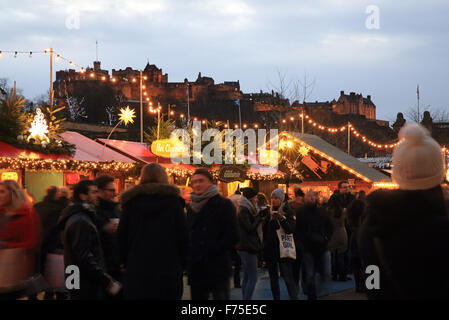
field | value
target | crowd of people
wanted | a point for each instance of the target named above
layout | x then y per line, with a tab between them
141	246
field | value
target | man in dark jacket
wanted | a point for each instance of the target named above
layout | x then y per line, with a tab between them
49	211
314	229
213	231
107	220
249	245
82	246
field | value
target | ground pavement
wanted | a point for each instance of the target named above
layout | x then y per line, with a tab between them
338	290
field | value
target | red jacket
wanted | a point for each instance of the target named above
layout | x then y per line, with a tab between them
22	229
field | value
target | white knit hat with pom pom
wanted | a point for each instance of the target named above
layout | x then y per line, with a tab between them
418	162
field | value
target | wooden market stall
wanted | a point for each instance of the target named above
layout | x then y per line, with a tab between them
36	171
323	165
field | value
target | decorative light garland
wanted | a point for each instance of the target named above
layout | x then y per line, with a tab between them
321	127
371	143
323	155
35	165
385	185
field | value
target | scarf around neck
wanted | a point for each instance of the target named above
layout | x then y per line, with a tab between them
197	201
244	202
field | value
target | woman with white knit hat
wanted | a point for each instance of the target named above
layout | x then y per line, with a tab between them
406	231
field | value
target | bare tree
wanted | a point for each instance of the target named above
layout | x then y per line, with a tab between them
440	115
4	88
75	107
437	114
307	87
112	114
292	89
281	86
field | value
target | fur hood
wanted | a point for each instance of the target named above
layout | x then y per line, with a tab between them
391	210
245	203
160	189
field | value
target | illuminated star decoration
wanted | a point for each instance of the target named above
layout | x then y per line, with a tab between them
39	127
303	151
127	115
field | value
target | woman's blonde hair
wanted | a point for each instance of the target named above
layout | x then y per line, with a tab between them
18	195
153	173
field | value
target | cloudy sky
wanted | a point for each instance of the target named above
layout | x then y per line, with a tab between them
246	40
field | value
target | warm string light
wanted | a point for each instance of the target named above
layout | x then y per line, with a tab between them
385	185
323	155
35	165
371	143
353	131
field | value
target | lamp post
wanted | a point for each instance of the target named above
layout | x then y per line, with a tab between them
51	78
141	109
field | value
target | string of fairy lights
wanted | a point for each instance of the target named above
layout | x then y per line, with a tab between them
353	130
291	138
95	75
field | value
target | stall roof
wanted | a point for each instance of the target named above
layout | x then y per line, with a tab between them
9	151
331	151
89	150
135	150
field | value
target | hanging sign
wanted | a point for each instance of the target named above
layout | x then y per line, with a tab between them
163	148
231	173
9	176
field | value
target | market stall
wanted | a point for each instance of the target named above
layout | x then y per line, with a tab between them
35	170
322	165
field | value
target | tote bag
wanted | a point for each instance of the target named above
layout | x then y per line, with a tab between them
286	244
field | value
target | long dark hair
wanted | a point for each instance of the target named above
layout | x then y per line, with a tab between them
153	173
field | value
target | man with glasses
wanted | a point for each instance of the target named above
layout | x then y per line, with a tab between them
107	220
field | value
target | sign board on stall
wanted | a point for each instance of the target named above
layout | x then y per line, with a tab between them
163	148
231	173
9	176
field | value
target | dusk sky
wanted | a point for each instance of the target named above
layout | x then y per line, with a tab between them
245	40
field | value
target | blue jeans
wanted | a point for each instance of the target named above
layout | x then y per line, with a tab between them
249	266
313	265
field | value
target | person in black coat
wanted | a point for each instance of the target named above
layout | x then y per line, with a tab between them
107	220
250	244
281	216
337	209
405	233
214	233
49	211
356	211
82	246
314	230
153	237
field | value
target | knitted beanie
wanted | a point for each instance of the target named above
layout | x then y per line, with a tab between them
249	193
279	193
418	162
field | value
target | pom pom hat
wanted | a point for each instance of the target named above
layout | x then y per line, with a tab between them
418	162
